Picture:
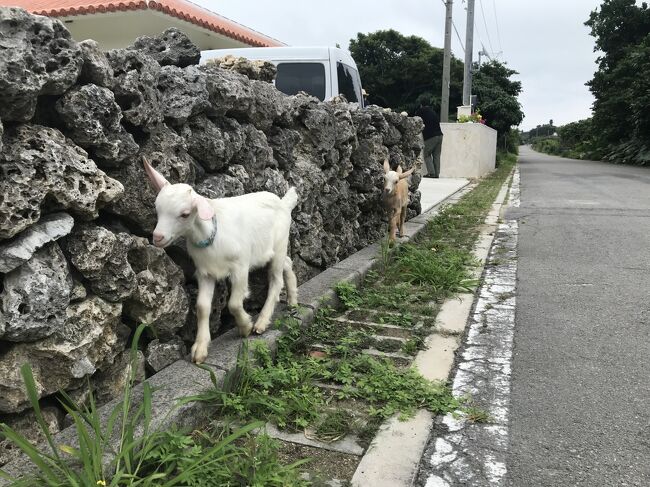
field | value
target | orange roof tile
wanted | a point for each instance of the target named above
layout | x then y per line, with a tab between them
181	9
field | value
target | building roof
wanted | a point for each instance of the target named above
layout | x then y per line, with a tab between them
181	9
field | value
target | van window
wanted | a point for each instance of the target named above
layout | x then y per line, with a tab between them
307	77
349	83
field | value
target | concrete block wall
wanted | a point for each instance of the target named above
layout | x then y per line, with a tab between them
468	150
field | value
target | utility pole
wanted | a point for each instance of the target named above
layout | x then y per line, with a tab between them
446	65
483	52
469	48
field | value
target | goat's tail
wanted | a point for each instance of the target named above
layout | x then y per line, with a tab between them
290	199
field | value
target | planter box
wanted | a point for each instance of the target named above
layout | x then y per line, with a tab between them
468	150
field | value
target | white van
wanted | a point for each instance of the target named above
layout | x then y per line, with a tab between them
322	72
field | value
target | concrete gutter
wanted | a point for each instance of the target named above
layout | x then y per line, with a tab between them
182	378
393	457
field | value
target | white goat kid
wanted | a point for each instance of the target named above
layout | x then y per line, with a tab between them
227	237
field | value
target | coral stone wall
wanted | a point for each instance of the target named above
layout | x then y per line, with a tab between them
77	271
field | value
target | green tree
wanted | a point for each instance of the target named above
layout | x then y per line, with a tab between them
497	97
400	71
545	130
621	85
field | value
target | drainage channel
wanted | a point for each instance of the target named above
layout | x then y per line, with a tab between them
335	462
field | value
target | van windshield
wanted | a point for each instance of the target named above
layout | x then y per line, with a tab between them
307	77
349	83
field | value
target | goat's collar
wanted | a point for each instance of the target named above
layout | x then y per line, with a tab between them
201	244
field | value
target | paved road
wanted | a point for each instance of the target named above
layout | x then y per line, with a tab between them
580	403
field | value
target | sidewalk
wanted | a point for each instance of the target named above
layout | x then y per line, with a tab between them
435	190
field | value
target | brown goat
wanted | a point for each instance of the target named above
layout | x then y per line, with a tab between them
396	198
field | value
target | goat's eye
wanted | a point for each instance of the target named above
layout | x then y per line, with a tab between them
185	215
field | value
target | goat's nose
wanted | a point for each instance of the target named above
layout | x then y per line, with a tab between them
158	237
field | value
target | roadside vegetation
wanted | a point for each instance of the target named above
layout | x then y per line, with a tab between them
619	130
574	140
319	382
126	451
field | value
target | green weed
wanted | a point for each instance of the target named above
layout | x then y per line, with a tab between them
476	415
348	293
136	453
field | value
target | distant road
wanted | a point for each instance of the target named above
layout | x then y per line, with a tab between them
580	409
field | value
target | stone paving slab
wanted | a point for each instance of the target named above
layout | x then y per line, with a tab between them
453	314
382	330
348	444
377	469
437	359
434	191
319	288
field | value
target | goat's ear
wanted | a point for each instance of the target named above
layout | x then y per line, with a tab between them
203	207
407	173
386	166
156	179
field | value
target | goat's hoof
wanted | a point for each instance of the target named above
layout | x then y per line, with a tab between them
199	353
259	329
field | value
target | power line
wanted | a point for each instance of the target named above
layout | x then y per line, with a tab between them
486	27
496	21
458	35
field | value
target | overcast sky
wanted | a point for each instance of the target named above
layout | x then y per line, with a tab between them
545	40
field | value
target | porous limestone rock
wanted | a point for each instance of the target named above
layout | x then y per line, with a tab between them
213	143
136	81
20	249
220	186
96	68
248	101
161	354
253	69
35	296
159	298
171	47
183	93
92	120
42	170
101	257
88	340
38	57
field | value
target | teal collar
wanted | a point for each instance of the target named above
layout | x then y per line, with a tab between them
201	244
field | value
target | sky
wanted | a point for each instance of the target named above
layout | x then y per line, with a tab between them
546	41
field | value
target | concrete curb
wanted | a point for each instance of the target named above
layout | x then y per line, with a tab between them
182	378
393	457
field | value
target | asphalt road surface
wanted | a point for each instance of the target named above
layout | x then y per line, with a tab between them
580	403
